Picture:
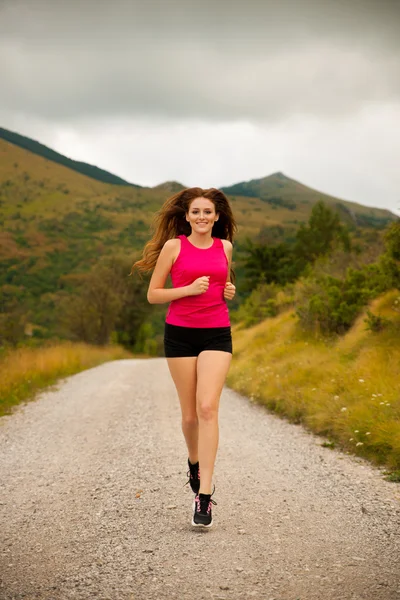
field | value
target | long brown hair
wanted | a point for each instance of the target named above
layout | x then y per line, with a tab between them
169	222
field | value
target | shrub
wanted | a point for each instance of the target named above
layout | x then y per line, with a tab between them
389	262
330	305
145	341
260	305
375	323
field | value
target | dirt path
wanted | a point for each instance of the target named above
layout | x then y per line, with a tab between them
293	521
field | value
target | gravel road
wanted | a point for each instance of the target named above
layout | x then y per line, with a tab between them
93	503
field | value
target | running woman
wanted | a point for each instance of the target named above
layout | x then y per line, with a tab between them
193	243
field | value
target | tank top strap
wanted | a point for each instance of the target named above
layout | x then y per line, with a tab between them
183	240
218	242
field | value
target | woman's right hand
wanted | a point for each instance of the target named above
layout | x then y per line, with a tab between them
199	286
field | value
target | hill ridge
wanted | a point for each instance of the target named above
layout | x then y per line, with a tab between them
44	151
276	189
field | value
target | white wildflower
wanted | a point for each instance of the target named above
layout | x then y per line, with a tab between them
368	433
381	403
351	439
361	380
387	403
343	409
336	397
360	444
356	431
374	395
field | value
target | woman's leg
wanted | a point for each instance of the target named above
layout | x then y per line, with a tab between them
212	369
183	372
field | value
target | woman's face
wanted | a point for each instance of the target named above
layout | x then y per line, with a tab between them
201	215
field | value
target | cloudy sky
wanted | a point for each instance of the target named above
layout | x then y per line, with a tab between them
214	92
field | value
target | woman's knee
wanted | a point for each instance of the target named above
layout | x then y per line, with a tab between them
206	410
190	420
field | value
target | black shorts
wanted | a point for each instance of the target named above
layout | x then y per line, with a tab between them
190	341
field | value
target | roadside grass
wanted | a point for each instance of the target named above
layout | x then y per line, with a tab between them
347	390
25	371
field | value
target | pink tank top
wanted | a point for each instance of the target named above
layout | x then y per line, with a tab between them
210	308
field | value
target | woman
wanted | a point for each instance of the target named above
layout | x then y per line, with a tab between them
193	243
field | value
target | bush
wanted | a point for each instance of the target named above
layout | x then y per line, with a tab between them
330	305
260	305
390	261
145	342
375	323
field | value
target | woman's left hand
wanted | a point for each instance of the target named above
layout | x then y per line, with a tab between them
229	291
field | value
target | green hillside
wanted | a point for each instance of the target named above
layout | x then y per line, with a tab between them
279	191
57	223
41	150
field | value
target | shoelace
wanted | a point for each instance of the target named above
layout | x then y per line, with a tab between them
195	470
203	505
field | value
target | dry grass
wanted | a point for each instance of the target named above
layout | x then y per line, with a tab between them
25	371
348	390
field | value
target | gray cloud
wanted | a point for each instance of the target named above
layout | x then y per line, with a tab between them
213	92
254	61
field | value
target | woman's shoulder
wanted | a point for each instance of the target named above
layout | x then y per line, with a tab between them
227	244
173	243
173	248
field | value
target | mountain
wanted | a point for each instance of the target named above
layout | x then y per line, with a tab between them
170	187
41	150
278	190
56	223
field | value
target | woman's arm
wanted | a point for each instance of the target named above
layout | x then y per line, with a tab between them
228	251
156	293
230	289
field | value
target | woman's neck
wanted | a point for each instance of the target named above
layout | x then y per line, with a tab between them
204	240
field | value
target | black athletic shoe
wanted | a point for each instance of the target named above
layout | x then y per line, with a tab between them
194	476
202	515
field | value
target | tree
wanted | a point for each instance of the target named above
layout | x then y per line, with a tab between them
318	237
267	264
108	301
390	260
